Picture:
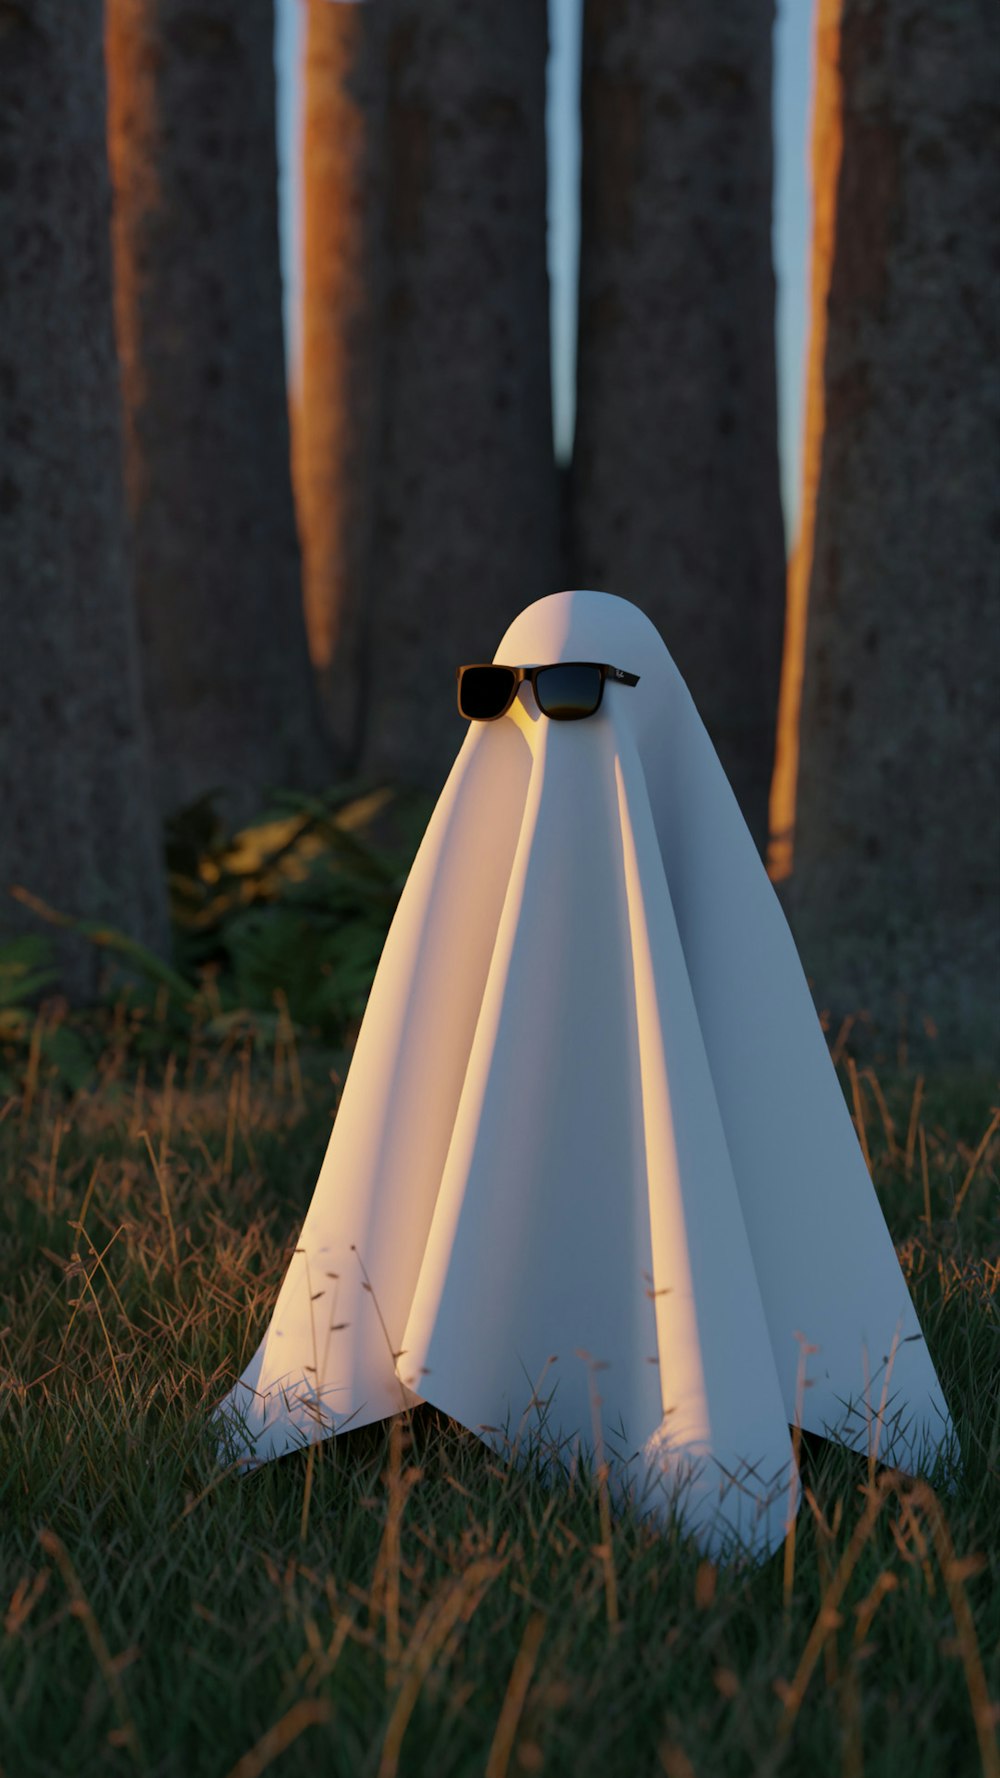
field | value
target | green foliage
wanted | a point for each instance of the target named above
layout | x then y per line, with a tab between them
292	912
398	1602
25	1034
277	928
24	971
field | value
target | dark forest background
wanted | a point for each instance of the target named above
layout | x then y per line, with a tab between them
214	612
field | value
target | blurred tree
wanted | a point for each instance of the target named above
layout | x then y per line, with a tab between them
675	497
336	418
467	513
77	825
198	303
895	894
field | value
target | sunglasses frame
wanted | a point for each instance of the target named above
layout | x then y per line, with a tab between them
530	674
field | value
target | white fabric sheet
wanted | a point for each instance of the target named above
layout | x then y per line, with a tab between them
591	1143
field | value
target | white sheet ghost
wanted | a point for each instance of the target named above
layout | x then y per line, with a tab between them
592	1120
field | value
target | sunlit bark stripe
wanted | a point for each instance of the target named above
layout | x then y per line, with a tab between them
191	127
827	147
336	437
676	499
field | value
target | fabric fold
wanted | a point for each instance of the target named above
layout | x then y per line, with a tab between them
593	1181
327	1359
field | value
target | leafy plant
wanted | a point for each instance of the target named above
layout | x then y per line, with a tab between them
292	912
31	1035
277	929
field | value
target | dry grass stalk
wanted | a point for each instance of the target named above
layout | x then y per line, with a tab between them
994	1124
432	1630
512	1707
110	1666
305	1714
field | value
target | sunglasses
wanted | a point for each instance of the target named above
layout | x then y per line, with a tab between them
564	692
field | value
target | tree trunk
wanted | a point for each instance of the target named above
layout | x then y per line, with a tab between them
896	883
336	436
676	500
198	302
467	513
77	829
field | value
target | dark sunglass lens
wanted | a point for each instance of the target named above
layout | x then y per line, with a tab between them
484	692
569	691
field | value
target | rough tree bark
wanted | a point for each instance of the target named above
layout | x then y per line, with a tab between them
467	518
198	304
77	827
676	500
895	893
336	424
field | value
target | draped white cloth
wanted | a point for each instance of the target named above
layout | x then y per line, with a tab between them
591	1146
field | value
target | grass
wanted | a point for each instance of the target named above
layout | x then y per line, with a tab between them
398	1602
